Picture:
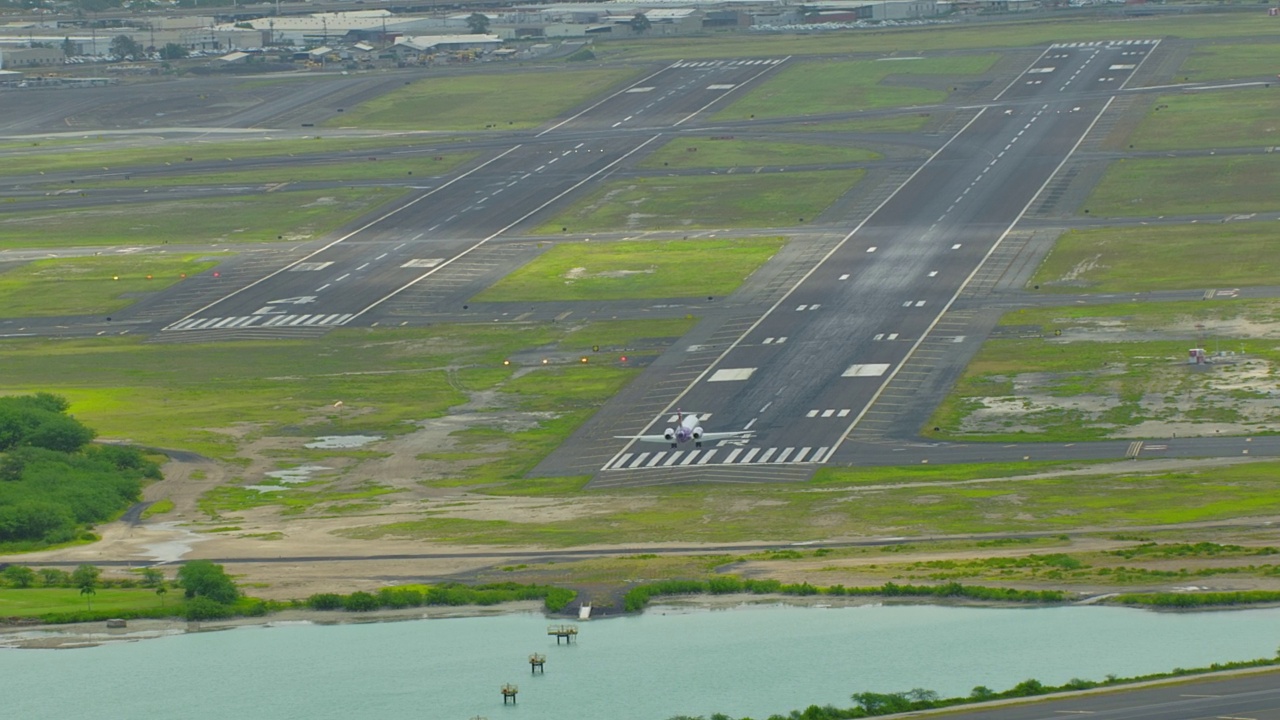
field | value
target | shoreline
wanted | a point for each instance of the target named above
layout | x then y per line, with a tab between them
93	634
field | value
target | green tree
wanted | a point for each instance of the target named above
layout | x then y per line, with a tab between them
161	592
88	592
202	578
20	576
640	23
203	608
173	51
478	23
124	47
85	576
54	577
152	577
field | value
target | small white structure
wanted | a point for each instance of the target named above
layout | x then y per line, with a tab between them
1195	356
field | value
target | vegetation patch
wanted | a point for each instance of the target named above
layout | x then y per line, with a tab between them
1218	119
1101	372
839	86
634	270
721	201
265	217
32	160
1166	257
898	123
1187	186
1231	62
96	285
507	101
366	168
695	152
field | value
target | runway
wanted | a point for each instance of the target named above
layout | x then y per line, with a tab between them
804	375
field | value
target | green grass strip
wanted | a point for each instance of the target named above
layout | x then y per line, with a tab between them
695	152
90	285
634	270
1188	186
720	201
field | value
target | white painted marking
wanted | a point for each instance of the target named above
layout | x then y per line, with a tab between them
322	287
342	277
423	263
844	276
731	374
871	249
309	266
828	413
1041	70
767	454
893	336
812	413
933	273
786	453
920	303
672	460
721	87
1122	67
801	308
956	246
224	322
878	336
865	370
656	457
298	320
750	454
621	461
800	455
843	413
689	458
732	454
639	459
707	457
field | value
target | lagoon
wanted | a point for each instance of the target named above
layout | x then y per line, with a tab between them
750	660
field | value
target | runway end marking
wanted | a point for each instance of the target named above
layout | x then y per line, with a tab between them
731	374
865	370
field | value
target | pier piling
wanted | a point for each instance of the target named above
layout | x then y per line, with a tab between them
567	632
536	663
509	692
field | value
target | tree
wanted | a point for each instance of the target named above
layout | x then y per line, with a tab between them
124	47
152	577
88	592
53	577
173	51
68	47
20	576
640	23
85	576
203	608
478	23
201	578
160	593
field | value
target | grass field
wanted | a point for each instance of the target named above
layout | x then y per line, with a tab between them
1119	371
238	219
1229	118
1244	61
26	602
788	514
694	152
90	285
509	101
841	86
49	157
901	123
1188	186
906	41
721	201
1167	257
633	270
211	397
338	171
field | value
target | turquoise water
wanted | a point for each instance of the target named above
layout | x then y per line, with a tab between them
744	661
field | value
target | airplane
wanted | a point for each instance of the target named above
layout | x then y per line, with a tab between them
686	429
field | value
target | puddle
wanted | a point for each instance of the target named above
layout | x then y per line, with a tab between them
266	488
341	442
299	474
171	550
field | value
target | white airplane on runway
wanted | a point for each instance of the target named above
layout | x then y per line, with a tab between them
686	429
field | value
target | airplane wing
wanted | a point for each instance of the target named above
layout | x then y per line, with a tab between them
725	435
644	438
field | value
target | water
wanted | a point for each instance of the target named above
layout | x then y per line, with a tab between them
745	661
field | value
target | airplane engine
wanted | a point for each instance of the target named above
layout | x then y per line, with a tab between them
697	433
670	434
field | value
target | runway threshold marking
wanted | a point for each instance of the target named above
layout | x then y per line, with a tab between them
728	92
